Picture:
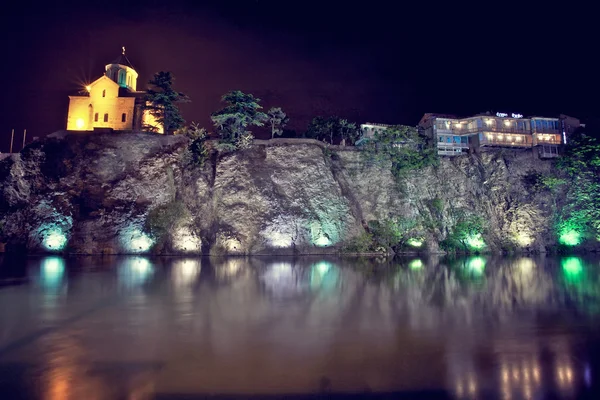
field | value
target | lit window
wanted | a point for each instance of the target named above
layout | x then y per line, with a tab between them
96	117
106	117
104	93
123	117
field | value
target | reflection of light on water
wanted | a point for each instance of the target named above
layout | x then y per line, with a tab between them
52	271
459	389
587	375
324	275
230	268
135	271
572	267
476	265
515	374
282	279
525	265
185	272
472	385
415	264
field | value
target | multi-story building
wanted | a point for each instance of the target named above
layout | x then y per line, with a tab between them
455	136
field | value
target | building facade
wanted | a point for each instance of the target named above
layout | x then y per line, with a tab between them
111	102
454	136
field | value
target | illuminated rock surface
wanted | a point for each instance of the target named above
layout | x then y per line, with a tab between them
93	193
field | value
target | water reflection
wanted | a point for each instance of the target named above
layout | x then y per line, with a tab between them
476	327
134	271
324	276
282	279
185	272
52	272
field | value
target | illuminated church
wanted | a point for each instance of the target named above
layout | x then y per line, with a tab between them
112	102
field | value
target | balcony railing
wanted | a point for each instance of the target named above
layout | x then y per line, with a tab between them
453	145
505	142
487	128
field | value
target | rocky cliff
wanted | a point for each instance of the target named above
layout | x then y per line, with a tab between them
131	193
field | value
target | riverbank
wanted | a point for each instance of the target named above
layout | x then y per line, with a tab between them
141	194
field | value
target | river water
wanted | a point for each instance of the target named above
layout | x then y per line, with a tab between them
133	327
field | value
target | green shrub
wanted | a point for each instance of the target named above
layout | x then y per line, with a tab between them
402	148
360	244
437	204
466	235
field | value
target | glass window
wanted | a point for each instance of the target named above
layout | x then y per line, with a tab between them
441	139
465	139
104	93
123	117
456	139
96	117
448	139
106	117
479	123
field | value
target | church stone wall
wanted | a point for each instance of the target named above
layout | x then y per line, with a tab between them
88	112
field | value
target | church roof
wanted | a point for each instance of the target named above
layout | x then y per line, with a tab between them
123	60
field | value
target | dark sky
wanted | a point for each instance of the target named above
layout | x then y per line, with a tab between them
374	61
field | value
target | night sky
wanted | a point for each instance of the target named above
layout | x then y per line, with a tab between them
374	61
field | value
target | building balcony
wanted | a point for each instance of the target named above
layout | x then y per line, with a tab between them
505	140
488	128
546	138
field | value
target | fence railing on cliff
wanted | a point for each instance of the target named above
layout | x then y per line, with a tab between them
296	141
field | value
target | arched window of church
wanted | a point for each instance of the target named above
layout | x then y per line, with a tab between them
104	93
106	117
121	77
123	117
96	117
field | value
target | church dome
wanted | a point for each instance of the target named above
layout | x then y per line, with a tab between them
122	72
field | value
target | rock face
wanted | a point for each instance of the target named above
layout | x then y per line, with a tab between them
110	193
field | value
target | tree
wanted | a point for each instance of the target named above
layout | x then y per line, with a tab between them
197	151
579	217
161	101
317	129
402	147
348	131
277	120
241	112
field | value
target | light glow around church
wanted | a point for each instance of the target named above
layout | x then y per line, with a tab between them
111	102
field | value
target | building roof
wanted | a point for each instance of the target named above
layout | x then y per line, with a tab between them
123	60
